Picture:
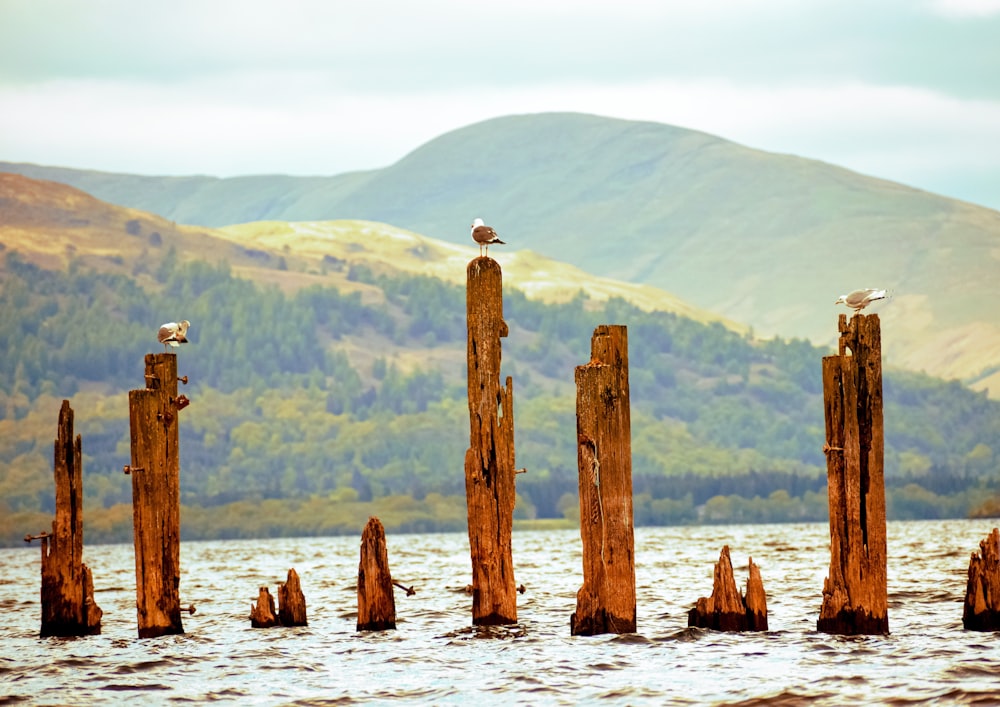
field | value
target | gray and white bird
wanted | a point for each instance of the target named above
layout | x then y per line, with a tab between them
484	236
859	299
173	333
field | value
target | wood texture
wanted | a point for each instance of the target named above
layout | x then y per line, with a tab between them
855	596
155	472
376	602
982	593
292	602
726	609
68	606
262	614
489	461
606	601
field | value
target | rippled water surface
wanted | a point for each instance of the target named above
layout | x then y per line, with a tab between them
436	657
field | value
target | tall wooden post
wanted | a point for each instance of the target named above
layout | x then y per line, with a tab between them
489	461
376	603
68	607
855	595
155	470
606	601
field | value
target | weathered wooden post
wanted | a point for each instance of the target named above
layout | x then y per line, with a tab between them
855	595
489	461
292	601
262	614
606	601
376	603
68	606
726	609
982	593
155	471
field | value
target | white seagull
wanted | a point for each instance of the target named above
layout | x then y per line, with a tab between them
173	333
484	236
859	299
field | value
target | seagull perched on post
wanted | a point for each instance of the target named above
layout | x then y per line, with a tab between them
859	299
173	333
484	236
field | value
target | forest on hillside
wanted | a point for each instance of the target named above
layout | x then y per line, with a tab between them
290	433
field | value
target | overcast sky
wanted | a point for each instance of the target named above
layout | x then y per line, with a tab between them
903	89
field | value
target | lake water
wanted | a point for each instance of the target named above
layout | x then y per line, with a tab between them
436	657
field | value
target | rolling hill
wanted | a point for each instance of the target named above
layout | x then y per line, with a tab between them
764	239
327	381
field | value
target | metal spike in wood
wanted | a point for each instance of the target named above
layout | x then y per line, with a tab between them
156	498
855	595
489	461
606	601
68	606
376	602
291	601
981	610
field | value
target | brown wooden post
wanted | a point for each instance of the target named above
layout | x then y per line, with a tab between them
726	609
855	595
982	593
489	461
376	603
262	614
606	601
68	607
155	471
291	601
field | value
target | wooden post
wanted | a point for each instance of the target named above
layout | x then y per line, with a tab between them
68	607
262	614
376	603
726	609
291	601
855	595
489	461
606	601
982	593
155	471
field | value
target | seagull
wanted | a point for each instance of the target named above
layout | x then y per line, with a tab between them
484	236
859	299
173	333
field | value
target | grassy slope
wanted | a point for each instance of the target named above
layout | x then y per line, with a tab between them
765	239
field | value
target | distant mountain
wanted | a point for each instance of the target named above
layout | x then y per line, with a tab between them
327	382
765	239
52	224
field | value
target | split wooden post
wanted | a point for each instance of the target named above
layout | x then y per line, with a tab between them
291	601
68	607
376	603
262	614
489	461
982	592
726	609
606	601
155	471
855	595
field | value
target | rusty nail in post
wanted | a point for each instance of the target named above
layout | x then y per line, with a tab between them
522	470
42	535
410	591
183	379
129	469
190	609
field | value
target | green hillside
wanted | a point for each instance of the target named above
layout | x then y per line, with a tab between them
764	239
314	406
